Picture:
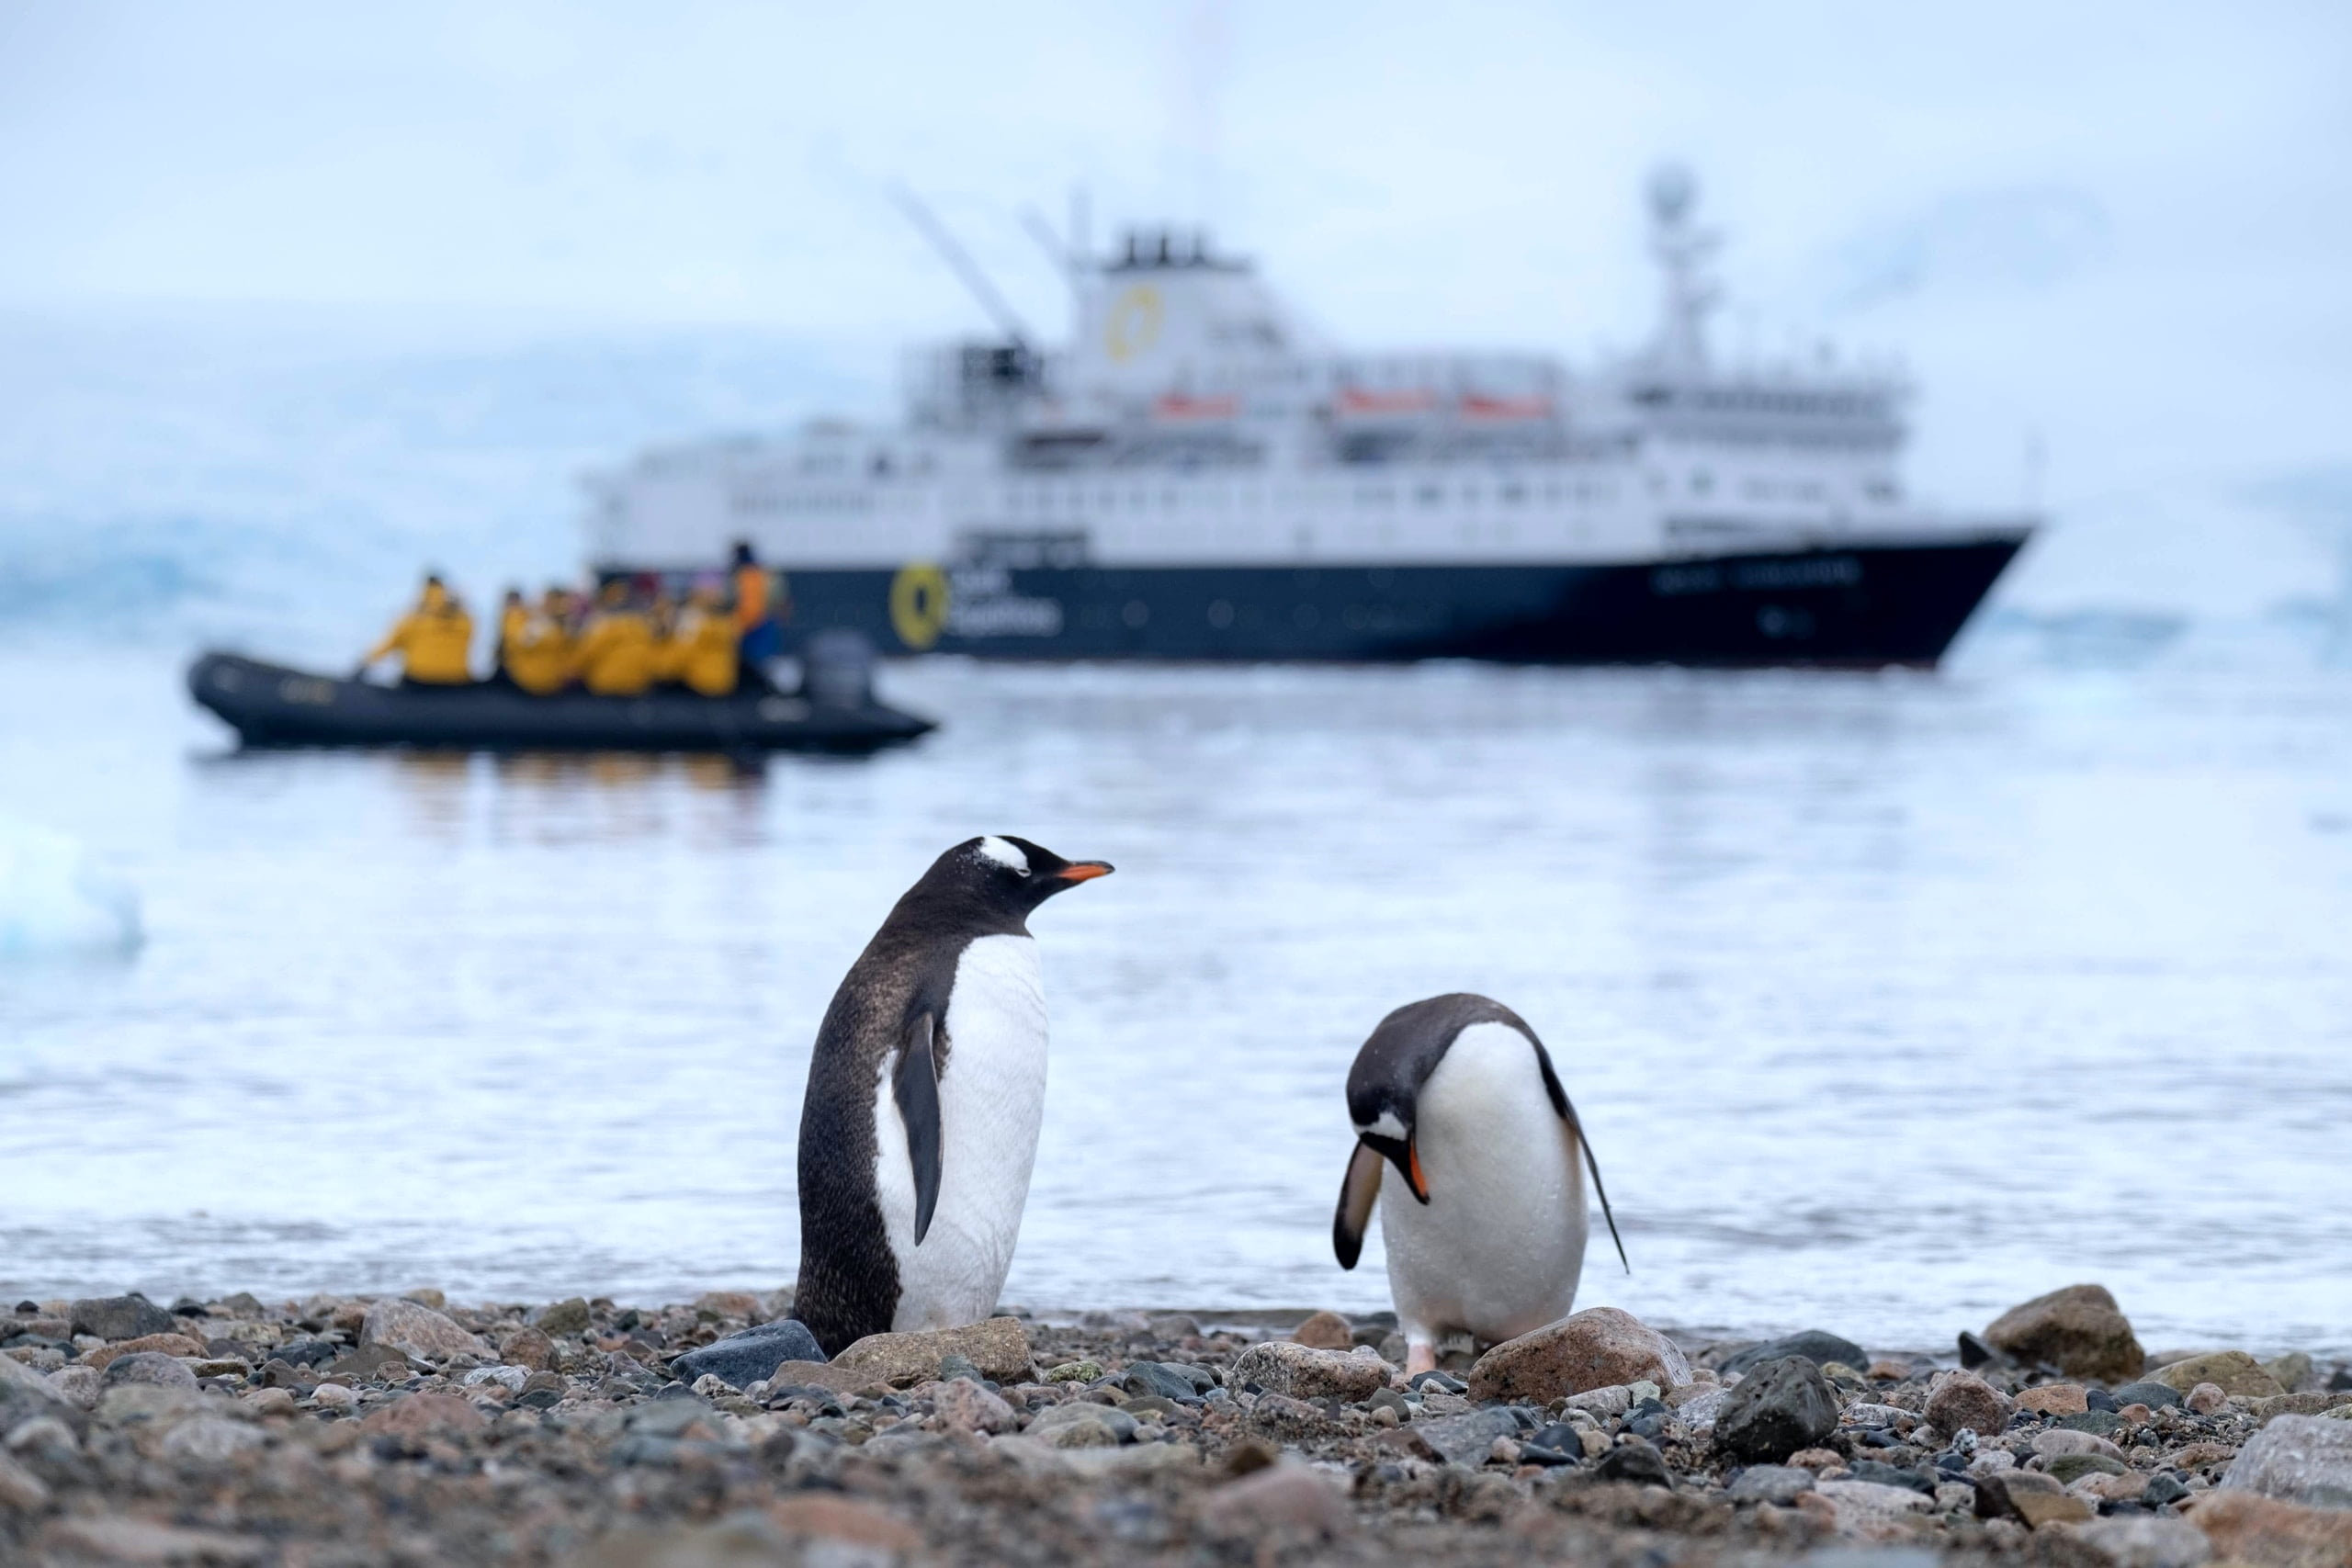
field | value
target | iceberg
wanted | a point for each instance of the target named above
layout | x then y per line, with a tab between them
56	901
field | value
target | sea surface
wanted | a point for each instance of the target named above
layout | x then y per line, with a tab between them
1887	1001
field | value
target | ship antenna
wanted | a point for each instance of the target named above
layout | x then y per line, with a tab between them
966	269
1683	249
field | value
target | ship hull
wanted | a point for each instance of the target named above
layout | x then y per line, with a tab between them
1861	606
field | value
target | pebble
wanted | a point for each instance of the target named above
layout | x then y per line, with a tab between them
1304	1372
1326	1331
1076	1371
1779	1407
2146	1542
1081	1425
119	1318
2054	1399
414	1329
2235	1372
997	1346
1465	1440
1283	1498
1962	1401
1814	1345
333	1396
1771	1484
563	1318
1597	1348
148	1367
742	1359
2207	1398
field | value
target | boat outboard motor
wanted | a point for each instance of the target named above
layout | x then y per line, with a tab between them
837	669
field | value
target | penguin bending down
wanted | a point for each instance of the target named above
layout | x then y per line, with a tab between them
925	1094
1458	1094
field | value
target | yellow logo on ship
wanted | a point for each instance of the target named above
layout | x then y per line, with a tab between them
919	604
1133	324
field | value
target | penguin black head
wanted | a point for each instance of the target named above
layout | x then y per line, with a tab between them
1008	876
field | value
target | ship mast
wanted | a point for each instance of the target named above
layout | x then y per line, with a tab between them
1683	249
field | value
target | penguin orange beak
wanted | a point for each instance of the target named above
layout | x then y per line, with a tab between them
1084	871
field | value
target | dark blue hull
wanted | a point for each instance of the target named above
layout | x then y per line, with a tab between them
1863	606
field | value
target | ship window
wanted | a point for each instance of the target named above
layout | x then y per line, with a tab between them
1470	495
1514	493
1430	495
1701	481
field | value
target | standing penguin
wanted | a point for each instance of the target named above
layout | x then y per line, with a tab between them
925	1094
1458	1094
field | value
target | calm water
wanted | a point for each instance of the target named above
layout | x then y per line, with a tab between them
1887	1001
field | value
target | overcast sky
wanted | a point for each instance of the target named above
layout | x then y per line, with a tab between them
2124	229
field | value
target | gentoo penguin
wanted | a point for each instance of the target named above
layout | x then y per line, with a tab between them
925	1093
1458	1094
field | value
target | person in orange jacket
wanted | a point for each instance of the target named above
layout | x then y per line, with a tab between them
434	641
760	609
539	656
704	658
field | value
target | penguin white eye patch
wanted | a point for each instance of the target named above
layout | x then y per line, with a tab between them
1005	854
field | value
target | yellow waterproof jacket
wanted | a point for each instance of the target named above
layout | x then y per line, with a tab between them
705	656
616	656
434	645
539	656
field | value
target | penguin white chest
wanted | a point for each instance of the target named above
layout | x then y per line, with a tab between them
1498	1249
991	1104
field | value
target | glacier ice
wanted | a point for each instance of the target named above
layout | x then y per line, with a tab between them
54	900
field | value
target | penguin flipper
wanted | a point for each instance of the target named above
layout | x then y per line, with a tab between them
915	1085
1357	1188
1575	1129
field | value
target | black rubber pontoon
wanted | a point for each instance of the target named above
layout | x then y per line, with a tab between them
269	704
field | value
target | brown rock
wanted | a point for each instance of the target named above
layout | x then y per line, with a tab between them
163	1343
1871	1511
730	1303
2206	1398
20	1488
843	1519
1963	1399
2055	1399
1326	1331
2035	1509
1301	1371
564	1318
1816	1459
425	1415
528	1349
140	1540
831	1376
1599	1348
2244	1527
998	1347
1285	1497
426	1296
2079	1330
964	1406
417	1330
2197	1456
2232	1371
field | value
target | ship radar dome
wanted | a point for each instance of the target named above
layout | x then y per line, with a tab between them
1673	188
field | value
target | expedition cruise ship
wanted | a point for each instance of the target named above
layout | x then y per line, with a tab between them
1196	477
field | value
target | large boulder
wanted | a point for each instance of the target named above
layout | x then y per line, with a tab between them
120	1317
1597	1348
1775	1410
742	1360
2297	1458
149	1367
2079	1330
2247	1528
1301	1371
2235	1372
997	1347
414	1329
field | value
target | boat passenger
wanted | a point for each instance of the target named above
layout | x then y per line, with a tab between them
434	641
540	657
615	656
759	626
513	616
706	654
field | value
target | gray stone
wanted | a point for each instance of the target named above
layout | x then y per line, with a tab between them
742	1360
2146	1541
1082	1424
2067	1469
962	1405
1283	1498
1778	1408
997	1347
209	1440
564	1317
2235	1372
415	1329
120	1317
1465	1439
1304	1372
1814	1345
148	1367
1781	1483
2297	1458
2155	1395
1161	1379
1963	1400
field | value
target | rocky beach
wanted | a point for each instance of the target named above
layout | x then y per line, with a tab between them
348	1431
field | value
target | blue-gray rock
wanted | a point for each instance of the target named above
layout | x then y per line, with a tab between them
1465	1440
1892	1475
149	1366
120	1317
2297	1458
953	1366
1778	1408
1440	1380
2163	1488
1161	1379
1783	1483
1557	1444
1633	1460
1814	1345
742	1360
2101	1423
1648	1418
2155	1395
